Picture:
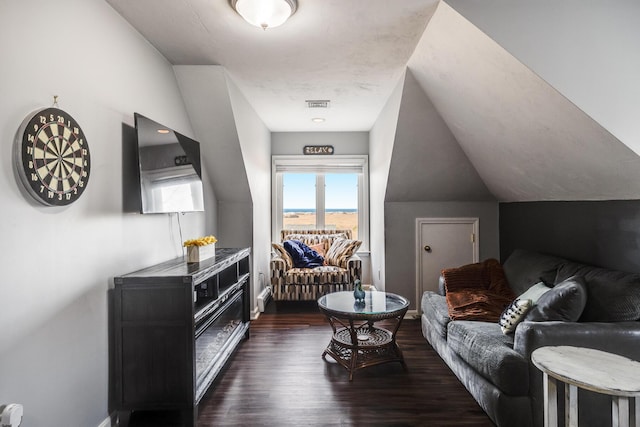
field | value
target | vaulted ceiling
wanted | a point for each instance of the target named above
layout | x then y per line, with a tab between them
526	140
504	100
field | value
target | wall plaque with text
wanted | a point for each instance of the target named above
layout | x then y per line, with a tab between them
317	149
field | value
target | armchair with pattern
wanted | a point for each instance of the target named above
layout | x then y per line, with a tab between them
342	267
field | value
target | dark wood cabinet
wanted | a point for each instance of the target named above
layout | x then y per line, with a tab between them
175	326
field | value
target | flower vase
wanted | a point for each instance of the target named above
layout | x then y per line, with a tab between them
200	253
358	292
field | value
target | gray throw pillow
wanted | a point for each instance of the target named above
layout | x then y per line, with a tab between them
564	302
535	292
612	296
524	268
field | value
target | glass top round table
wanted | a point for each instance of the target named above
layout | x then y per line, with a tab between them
376	304
356	342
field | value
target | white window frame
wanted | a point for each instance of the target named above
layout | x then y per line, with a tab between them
318	164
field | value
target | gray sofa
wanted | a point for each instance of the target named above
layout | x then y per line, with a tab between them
497	369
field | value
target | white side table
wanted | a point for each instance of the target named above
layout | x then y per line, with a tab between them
592	370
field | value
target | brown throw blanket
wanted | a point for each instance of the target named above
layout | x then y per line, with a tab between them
477	291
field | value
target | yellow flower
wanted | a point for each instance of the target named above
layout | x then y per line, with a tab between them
201	241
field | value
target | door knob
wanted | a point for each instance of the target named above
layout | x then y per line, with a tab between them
427	248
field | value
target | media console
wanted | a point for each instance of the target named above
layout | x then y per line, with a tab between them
175	326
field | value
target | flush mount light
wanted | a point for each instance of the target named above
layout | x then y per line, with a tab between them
265	13
163	131
318	119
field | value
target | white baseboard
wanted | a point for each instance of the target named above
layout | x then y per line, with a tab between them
263	299
412	314
106	422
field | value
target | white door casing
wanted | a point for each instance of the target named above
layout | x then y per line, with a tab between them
442	243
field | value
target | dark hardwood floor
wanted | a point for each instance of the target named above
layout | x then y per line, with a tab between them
278	378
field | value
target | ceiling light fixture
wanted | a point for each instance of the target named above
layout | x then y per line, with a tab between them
318	119
265	13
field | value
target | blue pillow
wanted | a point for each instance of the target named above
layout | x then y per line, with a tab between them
302	255
293	249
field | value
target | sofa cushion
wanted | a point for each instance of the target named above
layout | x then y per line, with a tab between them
313	239
486	349
564	302
435	307
314	232
324	274
612	296
341	250
525	268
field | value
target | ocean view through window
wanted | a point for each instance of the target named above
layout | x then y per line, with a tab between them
334	208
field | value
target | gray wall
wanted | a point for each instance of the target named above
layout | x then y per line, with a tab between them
427	162
291	143
255	141
429	177
380	148
400	231
605	234
57	263
206	97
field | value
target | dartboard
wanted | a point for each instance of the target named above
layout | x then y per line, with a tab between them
52	157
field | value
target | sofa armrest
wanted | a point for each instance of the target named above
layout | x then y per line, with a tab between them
354	265
616	337
277	263
277	270
442	289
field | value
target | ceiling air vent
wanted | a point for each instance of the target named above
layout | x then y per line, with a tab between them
318	103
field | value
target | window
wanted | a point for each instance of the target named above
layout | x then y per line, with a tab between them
321	192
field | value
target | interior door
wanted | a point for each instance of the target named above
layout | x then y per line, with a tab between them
443	243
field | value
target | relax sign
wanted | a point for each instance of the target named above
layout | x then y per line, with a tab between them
317	149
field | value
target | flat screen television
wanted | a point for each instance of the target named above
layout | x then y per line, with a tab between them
169	167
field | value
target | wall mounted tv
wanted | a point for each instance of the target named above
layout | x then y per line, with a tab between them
170	170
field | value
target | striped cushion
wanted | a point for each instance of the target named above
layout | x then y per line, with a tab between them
314	232
315	239
340	252
514	314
